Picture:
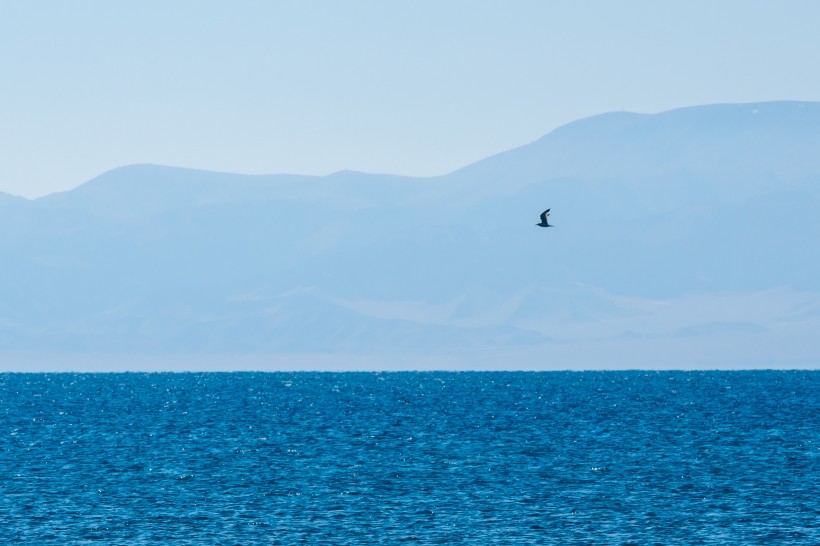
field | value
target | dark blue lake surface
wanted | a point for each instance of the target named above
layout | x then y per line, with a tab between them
432	458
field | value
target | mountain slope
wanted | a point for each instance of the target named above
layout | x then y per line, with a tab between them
778	139
682	232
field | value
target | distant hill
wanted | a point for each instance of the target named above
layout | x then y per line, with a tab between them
778	138
686	238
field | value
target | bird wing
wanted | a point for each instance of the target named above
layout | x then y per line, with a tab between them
544	215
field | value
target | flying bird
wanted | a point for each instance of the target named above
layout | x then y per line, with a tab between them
544	222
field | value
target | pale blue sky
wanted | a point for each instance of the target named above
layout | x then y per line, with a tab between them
406	87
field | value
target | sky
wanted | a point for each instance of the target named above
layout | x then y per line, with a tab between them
412	87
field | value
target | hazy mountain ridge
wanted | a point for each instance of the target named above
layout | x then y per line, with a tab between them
779	138
683	226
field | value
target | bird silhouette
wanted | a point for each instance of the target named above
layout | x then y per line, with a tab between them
544	222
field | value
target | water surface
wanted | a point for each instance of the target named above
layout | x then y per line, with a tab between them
430	458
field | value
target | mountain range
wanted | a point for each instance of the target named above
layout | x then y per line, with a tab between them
688	239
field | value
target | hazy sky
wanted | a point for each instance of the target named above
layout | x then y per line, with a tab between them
406	87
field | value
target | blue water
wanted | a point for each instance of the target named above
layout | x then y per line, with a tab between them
431	458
